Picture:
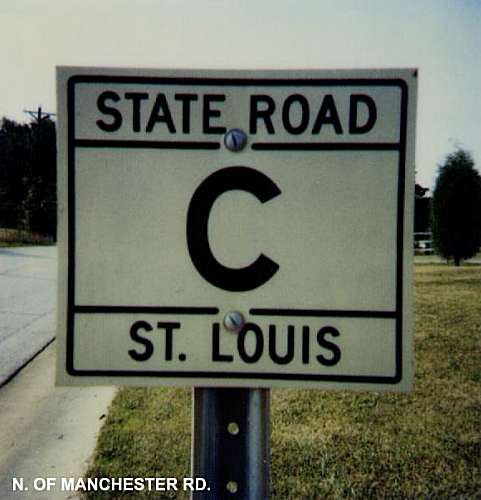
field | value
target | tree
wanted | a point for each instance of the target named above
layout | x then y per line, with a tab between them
28	176
39	205
15	159
456	208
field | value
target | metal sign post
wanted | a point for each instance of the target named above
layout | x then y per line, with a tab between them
231	442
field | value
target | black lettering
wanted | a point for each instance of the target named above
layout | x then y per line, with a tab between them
261	114
186	99
107	110
305	345
166	117
289	355
327	115
169	328
354	127
286	114
136	97
216	355
226	179
211	113
336	352
259	339
134	335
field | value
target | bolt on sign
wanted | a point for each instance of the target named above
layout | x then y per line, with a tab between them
236	228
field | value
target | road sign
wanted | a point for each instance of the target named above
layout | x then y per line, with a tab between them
186	197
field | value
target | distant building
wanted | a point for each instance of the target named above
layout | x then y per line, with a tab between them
422	232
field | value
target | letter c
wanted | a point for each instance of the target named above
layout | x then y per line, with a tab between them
226	179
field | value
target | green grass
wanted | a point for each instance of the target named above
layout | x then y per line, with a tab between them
17	237
421	257
15	244
338	444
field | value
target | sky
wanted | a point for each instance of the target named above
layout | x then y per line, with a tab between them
442	38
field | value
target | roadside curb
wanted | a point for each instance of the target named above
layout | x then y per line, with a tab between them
17	370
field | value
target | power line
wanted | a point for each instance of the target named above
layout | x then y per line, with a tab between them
39	115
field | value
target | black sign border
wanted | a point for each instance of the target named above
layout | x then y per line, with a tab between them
73	143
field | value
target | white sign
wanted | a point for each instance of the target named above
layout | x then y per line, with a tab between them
306	231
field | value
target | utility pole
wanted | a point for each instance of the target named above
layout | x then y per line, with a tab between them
39	116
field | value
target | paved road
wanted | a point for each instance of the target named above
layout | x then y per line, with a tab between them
438	260
28	288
